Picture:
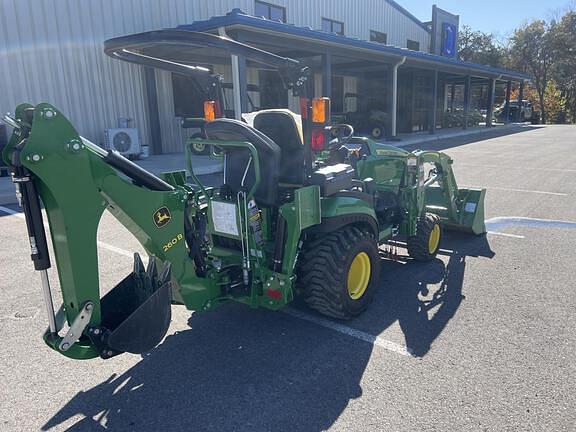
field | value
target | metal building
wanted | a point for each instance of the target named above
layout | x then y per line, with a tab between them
51	50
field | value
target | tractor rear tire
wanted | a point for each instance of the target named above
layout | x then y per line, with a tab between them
425	244
199	149
338	274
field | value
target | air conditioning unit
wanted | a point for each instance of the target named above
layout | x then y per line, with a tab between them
125	141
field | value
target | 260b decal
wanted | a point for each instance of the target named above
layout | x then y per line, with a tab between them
173	242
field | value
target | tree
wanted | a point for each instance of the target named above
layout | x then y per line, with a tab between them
532	51
478	47
563	40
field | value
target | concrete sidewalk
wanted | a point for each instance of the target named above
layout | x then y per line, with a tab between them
440	135
202	165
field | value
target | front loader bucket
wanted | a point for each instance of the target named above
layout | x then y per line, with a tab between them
467	215
136	313
471	211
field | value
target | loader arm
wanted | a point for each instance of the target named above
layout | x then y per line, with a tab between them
459	208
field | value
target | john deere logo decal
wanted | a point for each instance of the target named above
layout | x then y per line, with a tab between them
162	216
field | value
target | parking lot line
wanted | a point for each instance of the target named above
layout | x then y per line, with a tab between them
507	167
102	244
501	234
517	190
348	331
9	211
498	223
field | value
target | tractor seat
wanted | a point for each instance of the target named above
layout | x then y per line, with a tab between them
237	159
281	127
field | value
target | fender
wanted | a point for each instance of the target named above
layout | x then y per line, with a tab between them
339	211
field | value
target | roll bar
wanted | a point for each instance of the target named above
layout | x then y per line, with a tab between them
133	49
153	49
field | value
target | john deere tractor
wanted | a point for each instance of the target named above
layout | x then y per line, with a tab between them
302	209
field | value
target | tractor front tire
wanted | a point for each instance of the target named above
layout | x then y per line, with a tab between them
338	273
425	244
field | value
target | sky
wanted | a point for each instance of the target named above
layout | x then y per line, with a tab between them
491	16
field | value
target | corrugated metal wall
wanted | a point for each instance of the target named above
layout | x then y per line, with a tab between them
359	17
51	51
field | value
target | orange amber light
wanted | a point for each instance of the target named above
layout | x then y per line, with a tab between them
320	110
209	111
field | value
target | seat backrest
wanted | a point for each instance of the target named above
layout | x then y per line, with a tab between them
280	126
237	159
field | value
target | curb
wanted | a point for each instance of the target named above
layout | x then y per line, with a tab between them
437	138
202	168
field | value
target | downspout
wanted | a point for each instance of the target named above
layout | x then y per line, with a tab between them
235	79
395	94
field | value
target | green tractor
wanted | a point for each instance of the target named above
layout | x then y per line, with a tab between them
302	210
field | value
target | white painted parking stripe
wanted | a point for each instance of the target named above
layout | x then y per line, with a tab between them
498	223
357	334
518	190
501	234
10	211
102	244
518	167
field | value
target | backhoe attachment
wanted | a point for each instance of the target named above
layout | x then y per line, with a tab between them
76	181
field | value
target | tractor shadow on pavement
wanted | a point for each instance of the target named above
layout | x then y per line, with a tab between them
243	370
423	297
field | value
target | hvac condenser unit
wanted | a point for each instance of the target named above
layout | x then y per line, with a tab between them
124	140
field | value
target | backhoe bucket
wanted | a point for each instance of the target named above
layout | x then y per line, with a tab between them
136	314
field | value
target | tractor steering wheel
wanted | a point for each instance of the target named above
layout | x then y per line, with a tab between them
341	134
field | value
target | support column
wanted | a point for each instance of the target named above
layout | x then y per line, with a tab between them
394	104
507	104
520	99
434	104
153	114
452	96
491	96
243	77
238	80
467	97
327	74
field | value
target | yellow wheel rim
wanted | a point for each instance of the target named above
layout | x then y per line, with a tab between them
434	239
359	276
199	147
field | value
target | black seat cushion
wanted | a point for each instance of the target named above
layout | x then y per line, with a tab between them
280	126
237	159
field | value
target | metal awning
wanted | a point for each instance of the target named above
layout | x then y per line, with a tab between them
309	41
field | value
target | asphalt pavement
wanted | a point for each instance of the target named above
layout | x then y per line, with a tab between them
481	339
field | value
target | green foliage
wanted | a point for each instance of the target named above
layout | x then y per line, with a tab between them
481	48
564	70
545	50
555	103
531	51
